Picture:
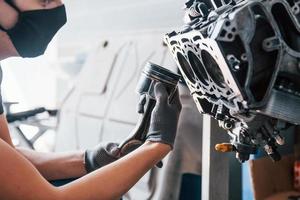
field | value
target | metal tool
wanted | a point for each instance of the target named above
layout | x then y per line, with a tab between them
151	74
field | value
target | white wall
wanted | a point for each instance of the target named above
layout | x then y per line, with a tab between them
102	103
140	26
89	20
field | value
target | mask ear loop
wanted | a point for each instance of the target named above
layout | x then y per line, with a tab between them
2	29
11	3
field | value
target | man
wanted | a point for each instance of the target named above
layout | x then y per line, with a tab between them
26	28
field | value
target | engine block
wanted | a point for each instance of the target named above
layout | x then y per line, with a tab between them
240	60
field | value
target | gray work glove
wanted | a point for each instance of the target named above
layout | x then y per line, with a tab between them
164	117
104	154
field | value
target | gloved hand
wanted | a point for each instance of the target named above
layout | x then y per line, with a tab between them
164	117
104	154
163	127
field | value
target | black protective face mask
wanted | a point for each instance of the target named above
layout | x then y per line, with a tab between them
35	29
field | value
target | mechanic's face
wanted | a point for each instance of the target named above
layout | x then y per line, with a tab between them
9	17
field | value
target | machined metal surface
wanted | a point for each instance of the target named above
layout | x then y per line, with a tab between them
240	60
151	75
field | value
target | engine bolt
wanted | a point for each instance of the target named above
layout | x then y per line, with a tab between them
224	147
279	140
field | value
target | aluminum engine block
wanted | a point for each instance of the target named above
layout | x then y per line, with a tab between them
240	60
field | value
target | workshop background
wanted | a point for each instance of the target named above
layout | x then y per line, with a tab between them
89	73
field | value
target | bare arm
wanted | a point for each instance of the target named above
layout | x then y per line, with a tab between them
52	166
22	181
4	131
